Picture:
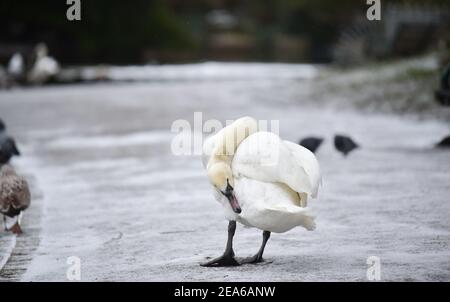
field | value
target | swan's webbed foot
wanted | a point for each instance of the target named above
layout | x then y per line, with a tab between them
227	259
224	260
258	258
252	260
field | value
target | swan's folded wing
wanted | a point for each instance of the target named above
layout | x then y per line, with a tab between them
271	206
265	157
308	161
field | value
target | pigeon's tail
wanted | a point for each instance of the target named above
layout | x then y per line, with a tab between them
14	149
2	126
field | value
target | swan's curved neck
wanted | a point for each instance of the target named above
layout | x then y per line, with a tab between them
230	139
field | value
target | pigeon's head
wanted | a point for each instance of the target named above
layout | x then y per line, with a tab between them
2	126
9	146
221	177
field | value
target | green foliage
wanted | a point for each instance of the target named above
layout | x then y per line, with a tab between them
415	73
119	31
110	31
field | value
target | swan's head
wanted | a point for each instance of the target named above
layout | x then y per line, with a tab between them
221	178
41	50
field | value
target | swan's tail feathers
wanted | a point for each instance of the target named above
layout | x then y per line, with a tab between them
286	218
309	222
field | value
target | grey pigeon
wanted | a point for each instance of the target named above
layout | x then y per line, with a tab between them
444	143
8	146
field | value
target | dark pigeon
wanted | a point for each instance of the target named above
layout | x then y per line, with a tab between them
444	143
8	148
443	94
344	144
2	126
311	143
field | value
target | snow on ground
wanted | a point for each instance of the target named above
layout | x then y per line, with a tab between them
7	242
115	196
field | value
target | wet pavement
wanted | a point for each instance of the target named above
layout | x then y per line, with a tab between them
108	189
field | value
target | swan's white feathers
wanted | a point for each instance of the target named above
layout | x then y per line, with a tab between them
308	161
222	146
264	156
271	206
208	147
272	178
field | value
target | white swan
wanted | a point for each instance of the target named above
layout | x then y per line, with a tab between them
16	65
44	66
261	181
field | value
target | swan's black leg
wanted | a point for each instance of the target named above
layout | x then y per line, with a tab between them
259	256
227	259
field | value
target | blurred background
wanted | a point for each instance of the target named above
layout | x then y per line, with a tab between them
91	105
156	31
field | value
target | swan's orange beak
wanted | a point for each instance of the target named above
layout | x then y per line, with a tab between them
234	203
229	194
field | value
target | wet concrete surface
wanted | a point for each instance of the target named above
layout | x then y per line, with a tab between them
111	192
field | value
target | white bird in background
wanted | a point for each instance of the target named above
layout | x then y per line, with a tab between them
16	65
44	66
261	181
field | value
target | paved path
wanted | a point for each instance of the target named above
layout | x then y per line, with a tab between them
115	196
